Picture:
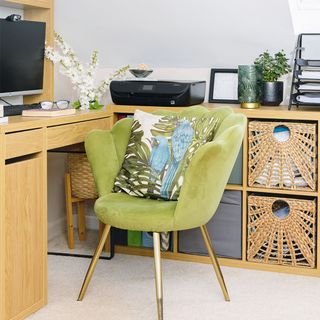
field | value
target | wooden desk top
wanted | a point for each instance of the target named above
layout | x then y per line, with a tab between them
279	112
20	123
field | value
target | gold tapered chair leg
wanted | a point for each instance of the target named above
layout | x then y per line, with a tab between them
158	273
214	261
94	262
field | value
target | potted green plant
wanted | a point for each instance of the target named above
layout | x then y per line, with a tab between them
273	67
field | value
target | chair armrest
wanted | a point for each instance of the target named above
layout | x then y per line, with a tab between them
121	134
206	178
105	151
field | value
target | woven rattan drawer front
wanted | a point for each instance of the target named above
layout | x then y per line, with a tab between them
73	133
284	235
282	155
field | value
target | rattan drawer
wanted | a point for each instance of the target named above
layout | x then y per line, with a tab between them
282	231
282	161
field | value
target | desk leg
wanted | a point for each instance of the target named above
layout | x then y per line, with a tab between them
81	221
69	210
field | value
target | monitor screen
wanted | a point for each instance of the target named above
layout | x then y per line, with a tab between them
22	46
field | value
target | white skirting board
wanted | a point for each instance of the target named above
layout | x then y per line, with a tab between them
58	226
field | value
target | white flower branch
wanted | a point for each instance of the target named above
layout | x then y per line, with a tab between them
81	78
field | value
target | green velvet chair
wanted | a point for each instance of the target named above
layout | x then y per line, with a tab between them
202	189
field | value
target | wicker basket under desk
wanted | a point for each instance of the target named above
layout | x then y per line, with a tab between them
82	182
289	164
289	240
79	186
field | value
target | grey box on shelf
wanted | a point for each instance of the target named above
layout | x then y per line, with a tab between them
224	229
236	174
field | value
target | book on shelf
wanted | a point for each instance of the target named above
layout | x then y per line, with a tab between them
308	98
309	86
308	63
314	75
48	113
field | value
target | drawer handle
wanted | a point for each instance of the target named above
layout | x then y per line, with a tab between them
281	209
281	133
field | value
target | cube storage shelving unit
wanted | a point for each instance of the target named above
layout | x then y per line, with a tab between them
291	170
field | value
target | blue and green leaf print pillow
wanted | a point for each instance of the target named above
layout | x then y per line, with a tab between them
159	151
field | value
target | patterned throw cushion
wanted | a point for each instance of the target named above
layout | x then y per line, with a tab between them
159	151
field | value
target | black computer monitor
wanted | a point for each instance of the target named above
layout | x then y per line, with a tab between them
22	45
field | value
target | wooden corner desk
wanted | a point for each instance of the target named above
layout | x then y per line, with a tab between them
24	142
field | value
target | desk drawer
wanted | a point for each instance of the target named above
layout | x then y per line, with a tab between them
23	143
72	133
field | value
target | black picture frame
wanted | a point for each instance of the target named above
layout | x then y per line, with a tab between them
214	83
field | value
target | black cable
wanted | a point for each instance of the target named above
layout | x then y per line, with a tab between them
10	104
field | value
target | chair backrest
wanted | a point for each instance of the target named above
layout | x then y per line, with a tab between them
197	112
208	174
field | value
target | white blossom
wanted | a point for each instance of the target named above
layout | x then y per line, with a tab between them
82	78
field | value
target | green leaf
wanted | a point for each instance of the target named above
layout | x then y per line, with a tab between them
94	105
273	67
76	104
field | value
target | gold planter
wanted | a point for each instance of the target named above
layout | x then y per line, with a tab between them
250	105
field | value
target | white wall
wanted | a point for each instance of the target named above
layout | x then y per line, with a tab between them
178	34
6	11
305	15
56	194
179	39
